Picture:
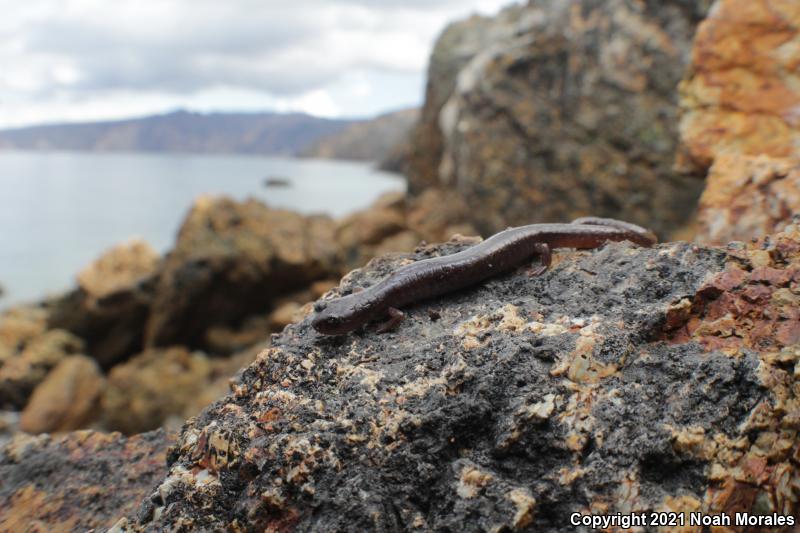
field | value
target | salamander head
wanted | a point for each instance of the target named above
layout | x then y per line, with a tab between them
336	317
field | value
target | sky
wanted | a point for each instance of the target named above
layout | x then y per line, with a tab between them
86	60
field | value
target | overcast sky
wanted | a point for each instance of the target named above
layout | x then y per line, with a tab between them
77	60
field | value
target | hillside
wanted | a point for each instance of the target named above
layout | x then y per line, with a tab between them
370	140
181	131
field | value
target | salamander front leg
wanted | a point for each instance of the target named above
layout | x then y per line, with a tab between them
395	317
545	258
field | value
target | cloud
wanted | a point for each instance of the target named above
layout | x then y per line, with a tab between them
307	53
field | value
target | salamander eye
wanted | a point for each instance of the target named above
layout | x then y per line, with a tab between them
320	306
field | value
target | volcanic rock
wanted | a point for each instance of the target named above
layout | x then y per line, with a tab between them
621	380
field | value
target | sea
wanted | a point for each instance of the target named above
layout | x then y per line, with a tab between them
60	210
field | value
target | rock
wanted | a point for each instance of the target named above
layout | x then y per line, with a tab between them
232	260
18	326
112	302
437	214
9	425
359	234
741	93
77	482
22	372
455	47
568	109
285	315
161	383
118	269
277	181
623	379
67	399
747	197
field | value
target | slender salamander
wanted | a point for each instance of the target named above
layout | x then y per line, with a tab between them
499	253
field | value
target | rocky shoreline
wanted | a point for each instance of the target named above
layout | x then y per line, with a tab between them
622	380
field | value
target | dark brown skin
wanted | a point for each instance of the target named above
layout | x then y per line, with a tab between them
499	253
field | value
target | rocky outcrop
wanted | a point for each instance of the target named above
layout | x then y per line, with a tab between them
622	380
111	303
742	94
231	260
747	197
560	109
459	43
78	482
371	140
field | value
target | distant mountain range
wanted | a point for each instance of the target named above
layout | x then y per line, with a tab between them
184	131
366	139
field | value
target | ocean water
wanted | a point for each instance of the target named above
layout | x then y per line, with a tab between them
59	211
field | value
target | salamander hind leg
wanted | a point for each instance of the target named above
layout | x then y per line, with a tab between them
545	258
395	317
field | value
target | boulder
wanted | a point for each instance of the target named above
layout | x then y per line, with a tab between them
23	371
109	307
162	386
82	481
560	109
746	197
232	260
742	91
67	399
622	380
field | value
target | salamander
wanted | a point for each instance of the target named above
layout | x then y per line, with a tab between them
498	254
